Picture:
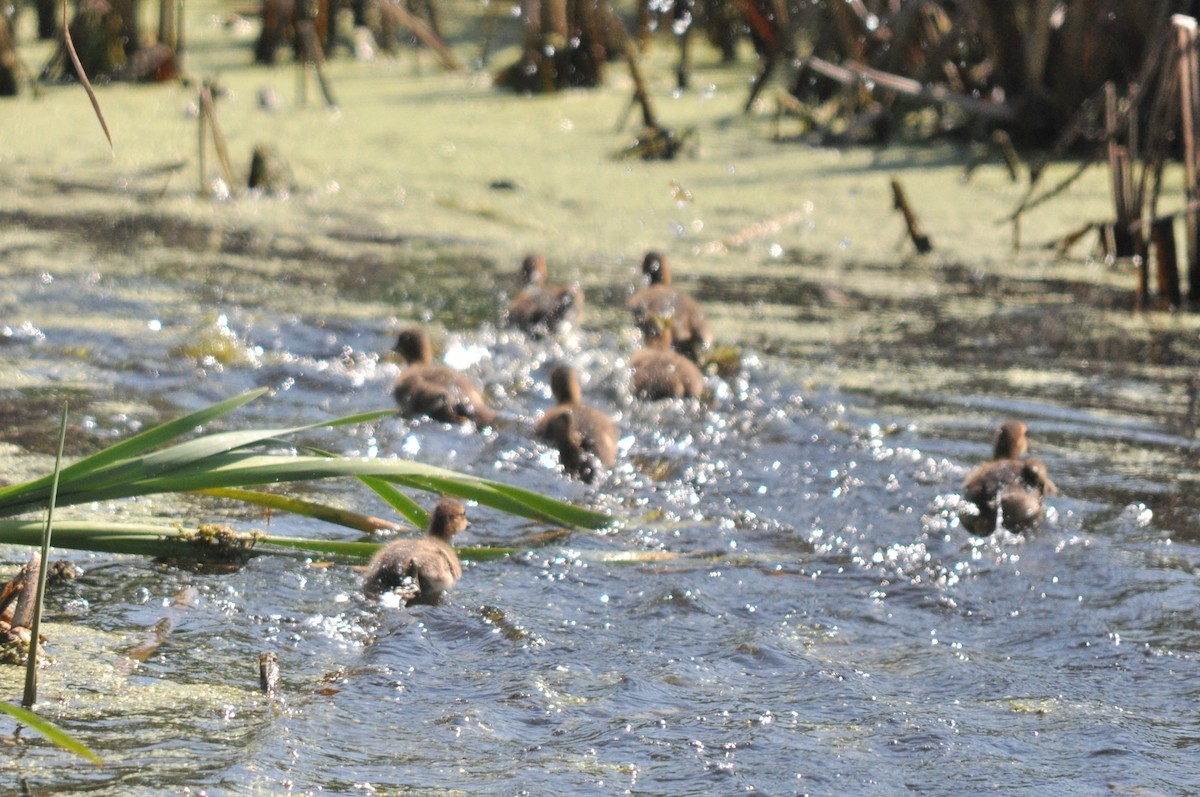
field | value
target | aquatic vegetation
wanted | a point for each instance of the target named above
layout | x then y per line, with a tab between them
49	730
219	461
24	715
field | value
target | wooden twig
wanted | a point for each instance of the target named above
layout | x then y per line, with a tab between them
1061	245
1127	243
640	93
851	73
314	55
747	234
26	593
1162	234
1008	153
1189	101
1038	44
422	31
491	15
1138	225
208	114
83	78
919	238
268	673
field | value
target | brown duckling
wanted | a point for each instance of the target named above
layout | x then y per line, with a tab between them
421	569
540	309
573	454
580	432
426	388
1007	489
660	372
660	299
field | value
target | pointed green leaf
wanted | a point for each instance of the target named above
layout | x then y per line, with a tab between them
50	731
140	442
305	508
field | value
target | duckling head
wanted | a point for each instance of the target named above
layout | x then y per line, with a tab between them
656	268
533	269
449	518
1011	442
564	385
414	346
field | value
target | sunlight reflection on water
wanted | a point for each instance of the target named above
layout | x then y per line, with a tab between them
790	604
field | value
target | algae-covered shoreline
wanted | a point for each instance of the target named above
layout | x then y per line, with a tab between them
444	175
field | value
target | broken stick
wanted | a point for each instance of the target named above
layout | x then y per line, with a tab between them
919	238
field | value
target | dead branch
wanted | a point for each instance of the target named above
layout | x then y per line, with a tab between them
854	74
401	15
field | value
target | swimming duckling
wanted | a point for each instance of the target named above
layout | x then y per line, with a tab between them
690	333
574	456
421	569
540	309
660	372
1007	489
580	432
426	388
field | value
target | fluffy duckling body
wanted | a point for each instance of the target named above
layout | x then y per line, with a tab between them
660	372
660	299
1007	489
541	309
580	432
426	388
421	569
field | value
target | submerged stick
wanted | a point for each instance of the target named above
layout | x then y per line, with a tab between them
268	673
158	633
900	202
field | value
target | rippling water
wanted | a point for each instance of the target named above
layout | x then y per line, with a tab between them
789	605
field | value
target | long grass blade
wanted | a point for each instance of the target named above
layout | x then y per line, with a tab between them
35	628
409	509
240	460
305	508
51	731
102	474
191	451
244	469
132	446
174	542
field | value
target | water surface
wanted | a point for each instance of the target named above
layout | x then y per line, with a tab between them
788	605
